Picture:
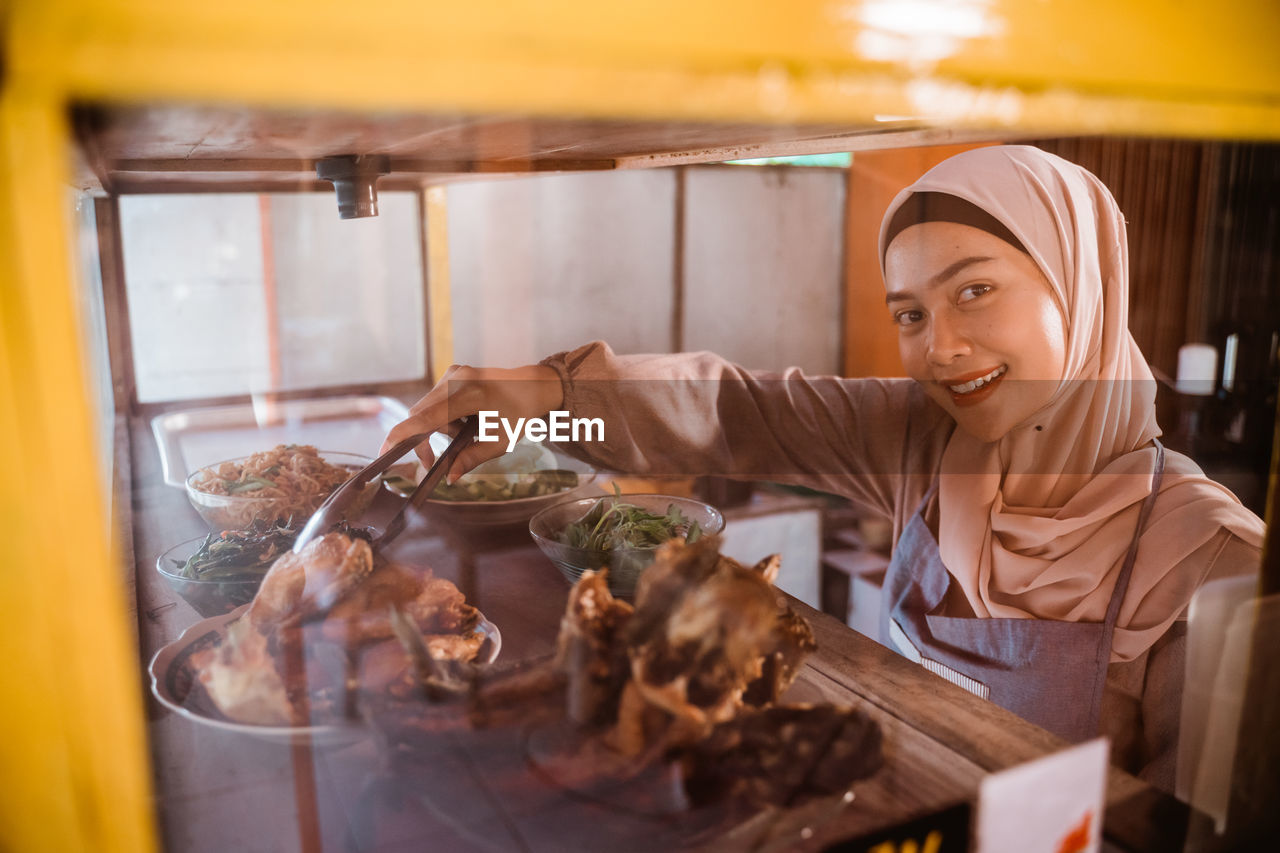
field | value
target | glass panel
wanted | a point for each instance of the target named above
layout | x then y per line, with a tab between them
346	738
240	293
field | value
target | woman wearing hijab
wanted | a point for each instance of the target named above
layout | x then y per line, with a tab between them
1047	545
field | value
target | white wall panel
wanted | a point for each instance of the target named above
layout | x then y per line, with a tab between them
763	265
350	290
543	264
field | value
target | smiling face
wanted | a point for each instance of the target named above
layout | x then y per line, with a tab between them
978	325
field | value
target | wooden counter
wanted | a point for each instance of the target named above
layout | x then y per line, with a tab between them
220	791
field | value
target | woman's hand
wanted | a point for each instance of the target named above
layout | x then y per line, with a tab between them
520	392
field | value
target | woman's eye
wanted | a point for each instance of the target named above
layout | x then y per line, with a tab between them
907	317
971	292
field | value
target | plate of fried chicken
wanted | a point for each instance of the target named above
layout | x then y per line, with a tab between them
327	628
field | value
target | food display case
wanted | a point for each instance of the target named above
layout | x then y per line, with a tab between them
105	105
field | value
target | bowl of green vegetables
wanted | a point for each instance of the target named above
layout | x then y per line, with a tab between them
619	532
217	573
503	492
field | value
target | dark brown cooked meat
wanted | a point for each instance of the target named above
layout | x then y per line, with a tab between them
782	755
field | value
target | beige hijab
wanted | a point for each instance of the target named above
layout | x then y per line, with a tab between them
1037	524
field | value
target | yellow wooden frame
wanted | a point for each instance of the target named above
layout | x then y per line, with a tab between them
74	769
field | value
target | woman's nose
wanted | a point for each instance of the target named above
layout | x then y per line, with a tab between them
947	340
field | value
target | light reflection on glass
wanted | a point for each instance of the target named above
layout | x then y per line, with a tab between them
918	33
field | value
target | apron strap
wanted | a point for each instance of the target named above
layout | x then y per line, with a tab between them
1126	571
1122	586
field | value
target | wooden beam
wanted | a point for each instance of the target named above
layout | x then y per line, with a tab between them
115	305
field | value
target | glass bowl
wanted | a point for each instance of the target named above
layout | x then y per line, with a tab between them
239	577
237	512
207	597
625	564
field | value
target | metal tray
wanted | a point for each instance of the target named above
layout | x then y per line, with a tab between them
189	439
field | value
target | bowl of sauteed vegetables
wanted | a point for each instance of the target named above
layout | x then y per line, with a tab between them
289	481
619	532
218	572
507	490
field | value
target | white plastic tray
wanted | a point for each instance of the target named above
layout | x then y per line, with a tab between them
189	439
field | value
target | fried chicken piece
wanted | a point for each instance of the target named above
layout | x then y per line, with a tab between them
792	642
633	730
310	581
768	568
386	665
709	635
705	630
459	647
441	608
676	569
240	676
363	615
518	694
589	649
698	662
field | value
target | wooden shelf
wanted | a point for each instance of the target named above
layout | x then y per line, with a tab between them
175	148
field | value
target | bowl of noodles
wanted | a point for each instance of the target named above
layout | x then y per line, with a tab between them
287	482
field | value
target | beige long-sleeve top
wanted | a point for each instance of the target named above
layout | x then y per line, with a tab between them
877	442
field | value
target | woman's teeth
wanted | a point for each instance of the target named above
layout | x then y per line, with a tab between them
975	384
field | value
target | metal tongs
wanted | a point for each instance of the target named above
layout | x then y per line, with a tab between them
335	507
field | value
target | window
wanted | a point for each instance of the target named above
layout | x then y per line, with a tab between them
240	293
837	160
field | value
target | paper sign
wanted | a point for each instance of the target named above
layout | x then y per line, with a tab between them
1051	805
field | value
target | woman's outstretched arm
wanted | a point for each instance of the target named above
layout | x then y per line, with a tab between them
698	414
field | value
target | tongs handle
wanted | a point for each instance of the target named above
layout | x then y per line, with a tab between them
335	506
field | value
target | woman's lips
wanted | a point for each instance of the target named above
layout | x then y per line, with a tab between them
980	393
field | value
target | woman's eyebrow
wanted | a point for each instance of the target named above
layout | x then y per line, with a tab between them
951	270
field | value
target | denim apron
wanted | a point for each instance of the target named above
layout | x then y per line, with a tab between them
1049	672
